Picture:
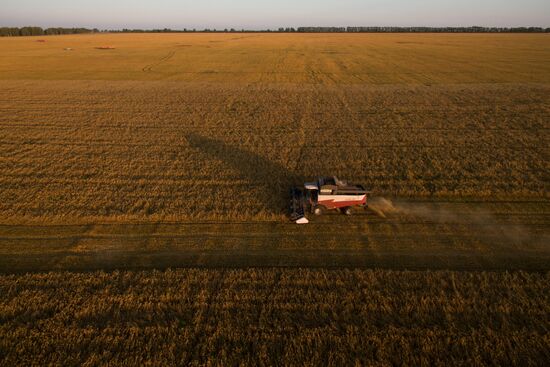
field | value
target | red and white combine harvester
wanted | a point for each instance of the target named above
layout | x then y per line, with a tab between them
328	193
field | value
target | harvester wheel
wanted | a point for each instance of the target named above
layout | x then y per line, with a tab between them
319	210
348	210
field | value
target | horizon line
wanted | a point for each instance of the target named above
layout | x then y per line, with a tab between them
278	28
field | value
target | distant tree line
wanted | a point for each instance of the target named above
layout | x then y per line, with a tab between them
423	30
188	30
350	30
38	31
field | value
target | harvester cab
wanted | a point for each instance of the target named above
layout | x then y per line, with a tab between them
327	193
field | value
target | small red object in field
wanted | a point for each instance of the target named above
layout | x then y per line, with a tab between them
105	48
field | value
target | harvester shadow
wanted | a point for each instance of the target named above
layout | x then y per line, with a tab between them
271	180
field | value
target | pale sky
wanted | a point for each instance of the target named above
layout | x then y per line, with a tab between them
261	14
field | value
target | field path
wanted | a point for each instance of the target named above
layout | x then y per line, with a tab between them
510	236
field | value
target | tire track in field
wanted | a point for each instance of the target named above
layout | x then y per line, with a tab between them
149	68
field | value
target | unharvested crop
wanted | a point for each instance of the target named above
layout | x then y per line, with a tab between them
165	150
219	129
275	317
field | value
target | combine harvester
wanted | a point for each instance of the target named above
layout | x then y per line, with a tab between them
328	193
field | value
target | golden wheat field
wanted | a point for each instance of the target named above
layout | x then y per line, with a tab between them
275	317
178	151
325	59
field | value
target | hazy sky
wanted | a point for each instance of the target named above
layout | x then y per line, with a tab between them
255	14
